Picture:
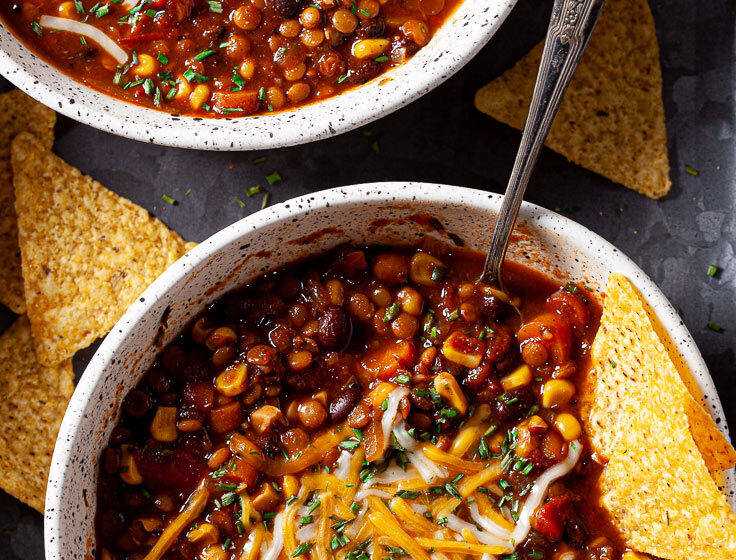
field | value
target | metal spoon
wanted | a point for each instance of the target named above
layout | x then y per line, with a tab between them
570	27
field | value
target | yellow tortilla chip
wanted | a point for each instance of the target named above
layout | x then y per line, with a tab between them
660	494
87	253
631	364
611	119
18	113
33	400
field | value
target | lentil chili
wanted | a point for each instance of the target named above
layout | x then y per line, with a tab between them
288	418
225	57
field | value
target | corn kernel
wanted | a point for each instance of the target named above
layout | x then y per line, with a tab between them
232	381
205	533
266	498
321	396
213	552
163	425
128	469
447	387
183	89
265	418
426	270
557	392
520	377
290	486
67	9
146	66
370	48
568	426
200	94
631	555
463	349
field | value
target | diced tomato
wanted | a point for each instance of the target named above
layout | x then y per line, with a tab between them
549	518
199	394
235	103
226	418
167	469
570	306
242	473
351	263
553	331
373	440
386	360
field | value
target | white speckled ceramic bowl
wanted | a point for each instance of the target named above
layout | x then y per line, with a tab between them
362	214
467	30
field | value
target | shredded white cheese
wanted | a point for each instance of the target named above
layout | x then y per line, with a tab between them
274	549
89	31
539	490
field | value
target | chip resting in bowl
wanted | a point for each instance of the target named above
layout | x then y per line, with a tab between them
658	444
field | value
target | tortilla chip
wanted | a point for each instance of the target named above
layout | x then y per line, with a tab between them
33	400
631	364
87	253
660	494
18	113
611	119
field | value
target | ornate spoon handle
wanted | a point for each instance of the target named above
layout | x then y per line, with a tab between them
570	27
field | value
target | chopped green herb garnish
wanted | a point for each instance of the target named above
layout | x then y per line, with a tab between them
240	202
712	270
204	54
691	170
392	311
715	327
274	177
342	78
408	494
383	58
215	7
83	40
254	190
264	200
162	59
37	29
168	199
302	549
376	148
349	444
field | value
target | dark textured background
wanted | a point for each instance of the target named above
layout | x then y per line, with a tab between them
442	138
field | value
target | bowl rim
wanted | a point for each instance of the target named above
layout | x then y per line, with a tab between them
366	193
315	121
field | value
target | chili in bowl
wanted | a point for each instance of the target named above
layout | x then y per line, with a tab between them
302	391
302	71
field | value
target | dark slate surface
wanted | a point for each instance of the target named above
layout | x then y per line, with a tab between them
441	138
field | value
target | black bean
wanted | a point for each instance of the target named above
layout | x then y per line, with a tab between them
343	404
284	8
332	332
514	405
137	403
372	28
362	70
422	403
575	532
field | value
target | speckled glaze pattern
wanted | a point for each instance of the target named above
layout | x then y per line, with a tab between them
264	241
465	33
